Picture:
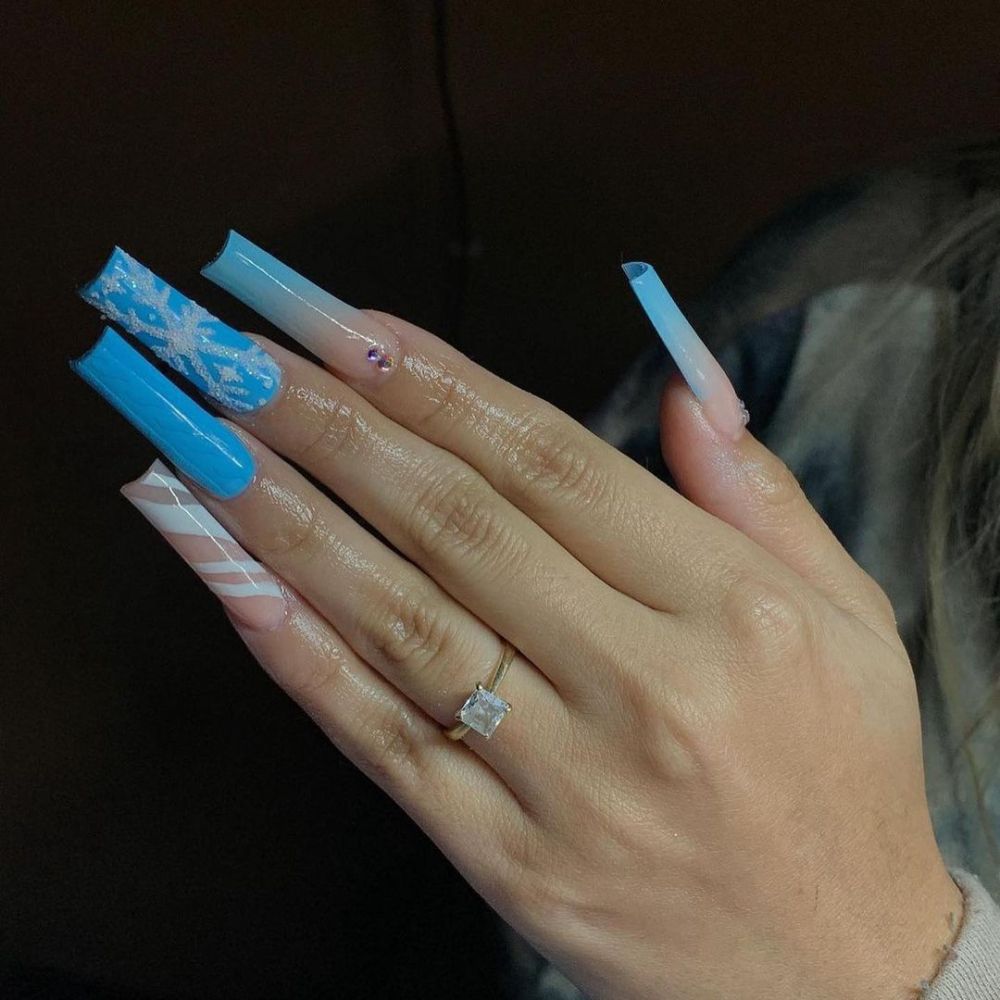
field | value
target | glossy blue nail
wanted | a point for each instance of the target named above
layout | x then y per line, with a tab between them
195	441
347	339
219	360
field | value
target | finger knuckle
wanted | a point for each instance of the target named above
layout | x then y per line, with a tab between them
318	682
341	428
881	600
769	621
669	730
520	845
395	756
549	461
293	534
458	510
517	851
406	631
540	895
778	491
576	906
451	402
532	880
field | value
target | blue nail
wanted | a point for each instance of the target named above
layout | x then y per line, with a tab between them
347	339
195	441
219	360
703	373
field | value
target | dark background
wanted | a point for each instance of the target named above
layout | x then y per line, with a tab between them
170	826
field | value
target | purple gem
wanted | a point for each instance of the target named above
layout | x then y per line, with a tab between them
372	353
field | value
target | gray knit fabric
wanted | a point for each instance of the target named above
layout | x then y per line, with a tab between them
971	970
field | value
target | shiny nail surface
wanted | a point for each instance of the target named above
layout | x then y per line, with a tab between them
338	334
220	361
243	585
704	375
196	442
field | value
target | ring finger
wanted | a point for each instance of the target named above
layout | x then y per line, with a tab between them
390	613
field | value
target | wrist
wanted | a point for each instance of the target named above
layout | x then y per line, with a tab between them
943	927
931	921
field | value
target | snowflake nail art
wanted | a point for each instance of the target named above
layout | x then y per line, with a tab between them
219	360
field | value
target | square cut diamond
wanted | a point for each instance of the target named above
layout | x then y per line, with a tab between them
483	711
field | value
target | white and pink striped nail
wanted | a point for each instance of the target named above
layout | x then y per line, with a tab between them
245	587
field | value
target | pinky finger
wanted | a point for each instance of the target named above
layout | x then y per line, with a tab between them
443	786
440	783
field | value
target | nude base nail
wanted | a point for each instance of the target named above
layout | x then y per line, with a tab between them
244	586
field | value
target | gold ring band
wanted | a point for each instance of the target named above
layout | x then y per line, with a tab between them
484	709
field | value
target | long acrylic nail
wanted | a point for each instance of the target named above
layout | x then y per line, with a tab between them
245	587
219	360
343	337
705	376
198	444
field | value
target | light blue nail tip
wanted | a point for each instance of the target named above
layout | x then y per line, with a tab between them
269	287
194	440
672	326
240	264
219	360
238	256
635	269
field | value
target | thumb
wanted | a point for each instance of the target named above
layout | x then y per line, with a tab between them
746	485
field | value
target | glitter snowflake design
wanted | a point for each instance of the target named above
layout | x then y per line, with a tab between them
186	337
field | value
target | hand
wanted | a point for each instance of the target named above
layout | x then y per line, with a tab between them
710	784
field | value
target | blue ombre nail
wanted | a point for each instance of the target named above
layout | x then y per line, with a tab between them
347	339
219	360
195	441
702	372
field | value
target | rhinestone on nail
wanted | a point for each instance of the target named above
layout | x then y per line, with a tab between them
380	357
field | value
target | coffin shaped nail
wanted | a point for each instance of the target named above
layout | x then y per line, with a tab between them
196	442
243	585
220	361
343	337
704	375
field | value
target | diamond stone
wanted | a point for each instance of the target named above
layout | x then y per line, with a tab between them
483	711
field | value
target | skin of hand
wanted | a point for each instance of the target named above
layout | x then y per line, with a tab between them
711	782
